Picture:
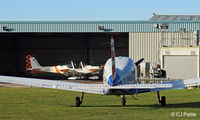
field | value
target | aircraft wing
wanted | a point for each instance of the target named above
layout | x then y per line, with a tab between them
44	83
184	83
75	71
80	87
96	88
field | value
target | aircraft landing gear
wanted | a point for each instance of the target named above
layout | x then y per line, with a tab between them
79	101
162	101
123	100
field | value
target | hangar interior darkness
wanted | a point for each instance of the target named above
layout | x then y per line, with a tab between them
57	49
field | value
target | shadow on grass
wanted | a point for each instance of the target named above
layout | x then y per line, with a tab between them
178	105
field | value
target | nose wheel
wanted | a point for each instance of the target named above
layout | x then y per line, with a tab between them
123	100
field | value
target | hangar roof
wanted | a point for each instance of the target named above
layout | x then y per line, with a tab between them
158	17
94	26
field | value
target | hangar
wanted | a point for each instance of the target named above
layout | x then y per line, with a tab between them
52	44
58	42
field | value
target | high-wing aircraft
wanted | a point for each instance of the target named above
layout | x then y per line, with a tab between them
68	70
119	78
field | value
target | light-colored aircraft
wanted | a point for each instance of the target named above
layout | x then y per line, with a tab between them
84	70
68	70
33	66
119	78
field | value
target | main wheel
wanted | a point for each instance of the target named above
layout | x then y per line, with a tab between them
163	101
78	102
123	101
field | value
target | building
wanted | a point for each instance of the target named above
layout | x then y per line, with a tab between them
59	42
158	17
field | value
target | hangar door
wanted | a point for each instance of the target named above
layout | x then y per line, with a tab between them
57	49
180	66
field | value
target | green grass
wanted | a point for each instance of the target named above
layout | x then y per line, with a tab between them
50	104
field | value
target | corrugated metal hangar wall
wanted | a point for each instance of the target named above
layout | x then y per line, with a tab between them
148	44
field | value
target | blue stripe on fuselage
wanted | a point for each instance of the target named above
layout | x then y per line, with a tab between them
115	81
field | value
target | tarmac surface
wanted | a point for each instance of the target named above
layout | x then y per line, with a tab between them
9	85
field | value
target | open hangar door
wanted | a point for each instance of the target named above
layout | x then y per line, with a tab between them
57	48
99	47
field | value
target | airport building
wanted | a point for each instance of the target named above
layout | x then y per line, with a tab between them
59	42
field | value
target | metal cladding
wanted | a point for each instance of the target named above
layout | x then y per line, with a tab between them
95	26
158	17
147	45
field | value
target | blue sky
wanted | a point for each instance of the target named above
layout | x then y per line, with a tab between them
66	10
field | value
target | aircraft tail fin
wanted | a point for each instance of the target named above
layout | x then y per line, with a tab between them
34	63
72	65
113	57
28	62
81	64
31	62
